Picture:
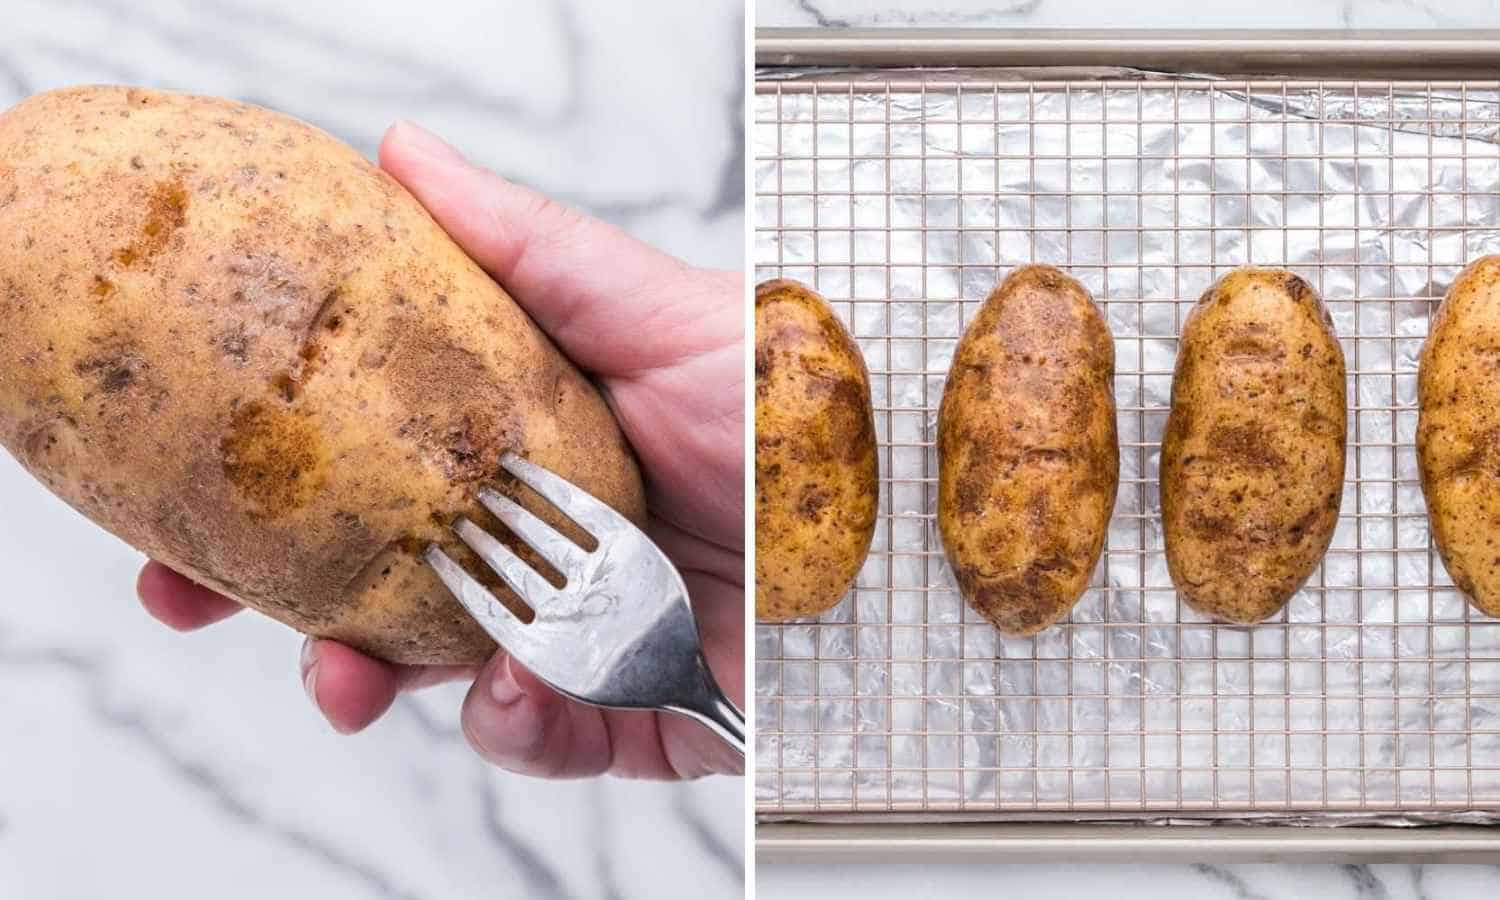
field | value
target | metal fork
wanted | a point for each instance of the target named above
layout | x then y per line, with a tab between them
619	633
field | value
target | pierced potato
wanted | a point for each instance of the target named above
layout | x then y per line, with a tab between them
1029	455
1458	432
1252	461
816	472
237	345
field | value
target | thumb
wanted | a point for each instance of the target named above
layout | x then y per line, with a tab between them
586	282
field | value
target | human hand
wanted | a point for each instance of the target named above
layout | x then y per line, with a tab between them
665	343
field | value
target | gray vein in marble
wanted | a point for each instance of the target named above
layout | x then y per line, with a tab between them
93	62
1417	874
414	83
1227	878
730	195
541	879
603	822
823	19
1017	10
1366	884
727	857
12	80
207	782
1347	8
411	80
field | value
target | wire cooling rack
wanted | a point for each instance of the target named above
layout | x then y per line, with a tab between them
904	201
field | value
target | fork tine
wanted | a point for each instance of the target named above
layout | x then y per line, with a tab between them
564	555
490	613
528	584
594	516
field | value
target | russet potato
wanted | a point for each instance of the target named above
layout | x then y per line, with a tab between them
1029	458
816	472
1252	460
1458	432
236	344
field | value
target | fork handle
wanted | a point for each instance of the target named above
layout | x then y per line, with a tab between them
720	716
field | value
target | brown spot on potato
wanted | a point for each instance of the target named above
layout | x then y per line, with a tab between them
102	287
235	344
1299	290
274	458
430	370
844	400
114	370
1250	341
166	212
765	362
814	499
1246	443
285	386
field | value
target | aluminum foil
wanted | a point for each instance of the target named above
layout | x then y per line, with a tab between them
904	198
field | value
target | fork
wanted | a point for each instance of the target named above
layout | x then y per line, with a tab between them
619	633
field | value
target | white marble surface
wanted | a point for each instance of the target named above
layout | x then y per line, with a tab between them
1165	882
136	762
1158	882
1150	14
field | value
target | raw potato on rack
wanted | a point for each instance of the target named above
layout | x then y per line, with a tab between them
233	342
1252	461
1458	432
816	472
1029	458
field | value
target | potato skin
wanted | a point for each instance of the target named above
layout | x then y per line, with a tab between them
1252	461
816	471
241	348
1029	457
1458	432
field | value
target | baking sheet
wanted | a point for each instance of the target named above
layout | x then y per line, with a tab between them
904	197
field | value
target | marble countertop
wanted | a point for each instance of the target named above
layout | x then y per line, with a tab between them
1163	882
1158	882
138	762
1150	14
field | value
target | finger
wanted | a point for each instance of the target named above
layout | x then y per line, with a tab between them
178	602
581	279
518	723
352	690
693	751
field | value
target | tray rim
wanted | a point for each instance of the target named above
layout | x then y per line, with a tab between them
1426	53
783	843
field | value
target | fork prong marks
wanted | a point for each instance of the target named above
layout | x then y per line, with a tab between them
594	516
563	555
489	612
528	584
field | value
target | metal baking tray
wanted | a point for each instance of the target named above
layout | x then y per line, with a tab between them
900	724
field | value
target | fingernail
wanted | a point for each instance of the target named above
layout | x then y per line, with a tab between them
504	727
310	682
503	687
309	665
427	143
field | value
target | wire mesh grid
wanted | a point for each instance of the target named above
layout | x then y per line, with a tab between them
904	202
